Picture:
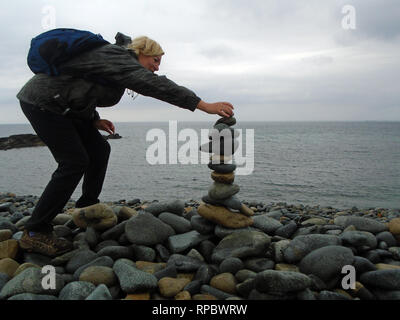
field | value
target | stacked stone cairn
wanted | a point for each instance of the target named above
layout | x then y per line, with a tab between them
221	204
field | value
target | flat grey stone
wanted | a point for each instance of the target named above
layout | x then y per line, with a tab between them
231	265
181	242
382	279
76	290
202	225
272	281
302	245
359	239
184	263
143	253
266	224
259	264
221	231
178	223
32	296
240	245
29	281
326	262
220	191
81	258
215	292
116	252
231	202
114	232
361	223
133	280
100	293
145	229
174	206
100	262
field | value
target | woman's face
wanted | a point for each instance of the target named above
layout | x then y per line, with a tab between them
149	62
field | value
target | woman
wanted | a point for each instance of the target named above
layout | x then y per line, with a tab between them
62	111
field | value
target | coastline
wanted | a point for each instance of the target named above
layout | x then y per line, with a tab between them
174	250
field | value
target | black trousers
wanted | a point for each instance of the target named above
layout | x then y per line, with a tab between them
80	151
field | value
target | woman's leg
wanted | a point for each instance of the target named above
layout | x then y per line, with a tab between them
98	150
61	136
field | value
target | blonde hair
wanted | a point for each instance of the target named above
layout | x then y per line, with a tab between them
146	46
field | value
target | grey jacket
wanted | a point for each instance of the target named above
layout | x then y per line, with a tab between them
77	92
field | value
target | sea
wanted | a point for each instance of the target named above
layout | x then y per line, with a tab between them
327	164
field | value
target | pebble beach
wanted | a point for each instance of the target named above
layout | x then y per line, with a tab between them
186	250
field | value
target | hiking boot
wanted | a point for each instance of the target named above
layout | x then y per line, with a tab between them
44	243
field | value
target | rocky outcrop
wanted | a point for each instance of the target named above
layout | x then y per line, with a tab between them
20	141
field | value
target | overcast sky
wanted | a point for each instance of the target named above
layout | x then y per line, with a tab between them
283	60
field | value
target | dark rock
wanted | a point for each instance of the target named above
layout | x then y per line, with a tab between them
79	259
146	229
114	232
219	294
133	280
181	242
163	252
259	264
105	243
287	230
326	262
202	225
178	223
193	287
363	265
204	274
100	293
361	223
382	279
143	253
272	281
100	261
231	265
20	141
240	245
76	290
116	252
168	271
184	263
329	295
302	245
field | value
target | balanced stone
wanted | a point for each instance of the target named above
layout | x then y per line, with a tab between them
222	168
226	178
222	147
221	191
229	121
224	217
232	202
